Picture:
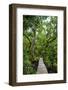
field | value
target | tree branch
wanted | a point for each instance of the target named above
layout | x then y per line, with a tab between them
28	39
50	41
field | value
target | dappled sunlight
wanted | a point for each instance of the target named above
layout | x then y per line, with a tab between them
39	40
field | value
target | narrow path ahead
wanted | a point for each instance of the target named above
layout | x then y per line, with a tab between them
41	67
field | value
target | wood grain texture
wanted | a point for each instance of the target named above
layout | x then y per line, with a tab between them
12	45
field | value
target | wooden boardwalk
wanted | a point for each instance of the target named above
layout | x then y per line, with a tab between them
41	67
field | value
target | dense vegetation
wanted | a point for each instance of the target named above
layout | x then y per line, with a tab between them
39	40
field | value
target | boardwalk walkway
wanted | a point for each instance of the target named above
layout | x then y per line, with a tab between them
41	67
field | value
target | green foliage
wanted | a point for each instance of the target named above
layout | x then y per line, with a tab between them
39	40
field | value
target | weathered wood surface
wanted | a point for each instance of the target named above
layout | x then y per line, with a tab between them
41	67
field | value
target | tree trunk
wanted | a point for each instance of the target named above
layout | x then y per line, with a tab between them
33	43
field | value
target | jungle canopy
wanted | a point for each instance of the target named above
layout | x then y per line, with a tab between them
39	40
